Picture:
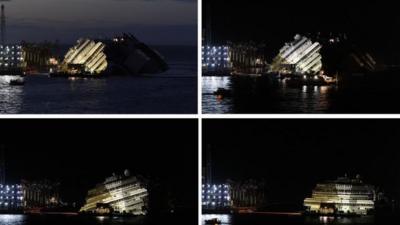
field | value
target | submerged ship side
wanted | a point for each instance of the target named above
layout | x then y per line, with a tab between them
127	55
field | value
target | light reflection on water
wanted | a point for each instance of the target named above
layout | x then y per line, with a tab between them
59	219
340	220
224	218
12	219
115	95
257	97
254	219
210	103
10	97
326	219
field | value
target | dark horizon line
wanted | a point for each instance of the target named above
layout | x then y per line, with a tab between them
72	43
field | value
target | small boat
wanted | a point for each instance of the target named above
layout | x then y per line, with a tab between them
213	221
223	92
17	82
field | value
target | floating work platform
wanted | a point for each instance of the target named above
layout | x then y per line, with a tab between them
79	75
312	80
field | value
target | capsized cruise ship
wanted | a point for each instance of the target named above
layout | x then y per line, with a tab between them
302	56
343	196
122	55
118	194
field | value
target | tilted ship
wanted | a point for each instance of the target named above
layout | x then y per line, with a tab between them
123	55
300	62
118	194
301	56
343	196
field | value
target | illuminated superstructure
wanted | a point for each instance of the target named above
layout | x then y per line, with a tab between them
120	55
120	194
298	57
216	196
86	56
342	196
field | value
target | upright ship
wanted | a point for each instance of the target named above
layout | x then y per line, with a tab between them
118	194
343	196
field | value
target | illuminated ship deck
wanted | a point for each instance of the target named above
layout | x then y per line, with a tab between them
117	194
343	196
124	55
301	56
87	56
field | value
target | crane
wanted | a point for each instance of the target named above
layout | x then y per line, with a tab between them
3	23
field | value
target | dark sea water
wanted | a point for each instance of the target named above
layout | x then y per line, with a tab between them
298	220
173	92
266	95
77	220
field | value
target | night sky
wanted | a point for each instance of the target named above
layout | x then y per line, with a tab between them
157	22
82	153
371	23
293	155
